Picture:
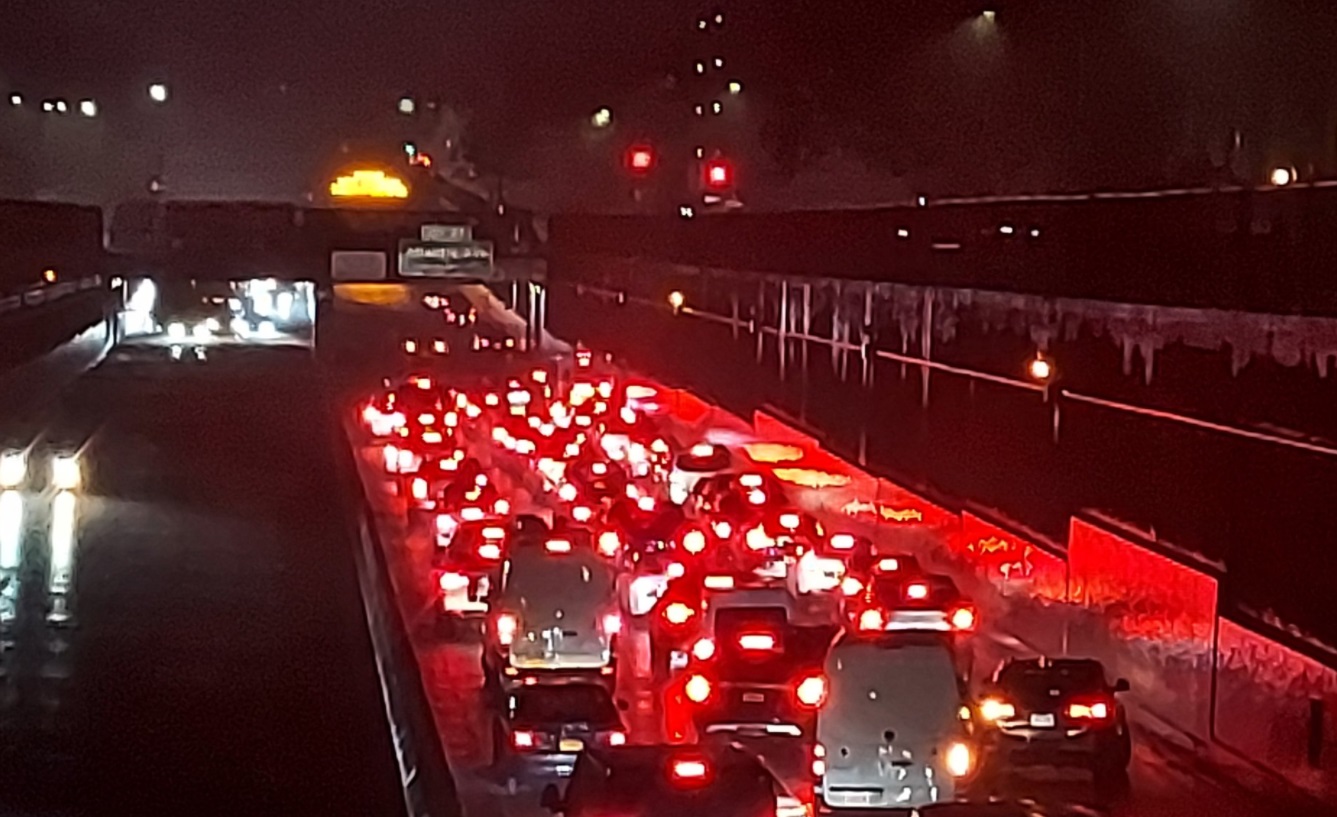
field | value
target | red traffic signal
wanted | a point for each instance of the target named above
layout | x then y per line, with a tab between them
718	174
640	159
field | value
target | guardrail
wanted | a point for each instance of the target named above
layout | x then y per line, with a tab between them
427	783
46	293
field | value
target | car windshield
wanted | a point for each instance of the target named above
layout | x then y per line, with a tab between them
559	703
1029	678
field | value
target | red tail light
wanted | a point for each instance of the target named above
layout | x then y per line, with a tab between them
612	624
689	772
489	551
703	649
818	760
963	618
916	591
678	613
617	738
609	543
693	541
557	546
811	691
523	739
697	689
419	489
757	641
506	627
872	620
1090	709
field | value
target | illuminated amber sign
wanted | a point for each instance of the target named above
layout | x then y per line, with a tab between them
369	184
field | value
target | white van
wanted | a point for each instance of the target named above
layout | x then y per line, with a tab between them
557	614
894	730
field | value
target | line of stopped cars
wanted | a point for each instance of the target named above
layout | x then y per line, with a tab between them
594	543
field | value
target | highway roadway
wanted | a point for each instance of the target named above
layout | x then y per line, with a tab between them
184	634
1168	775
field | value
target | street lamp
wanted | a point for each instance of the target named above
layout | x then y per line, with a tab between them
16	99
735	87
1282	176
1040	369
407	106
61	106
989	15
88	108
602	118
158	92
676	299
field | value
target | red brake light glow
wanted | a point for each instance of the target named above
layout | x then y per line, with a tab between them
617	738
1090	710
871	619
522	739
888	565
609	543
842	541
471	514
612	623
917	591
811	691
489	551
506	626
962	618
703	649
789	520
689	770
718	582
419	489
693	541
757	641
557	546
697	689
678	613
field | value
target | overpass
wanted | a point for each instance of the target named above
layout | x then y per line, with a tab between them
1161	488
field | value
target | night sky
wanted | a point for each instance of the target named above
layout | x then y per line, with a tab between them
1050	95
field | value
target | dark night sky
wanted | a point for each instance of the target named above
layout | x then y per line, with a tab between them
1057	95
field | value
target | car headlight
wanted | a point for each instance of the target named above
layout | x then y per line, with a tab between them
201	331
176	330
13	468
213	324
65	472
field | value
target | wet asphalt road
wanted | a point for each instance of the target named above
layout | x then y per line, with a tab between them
185	634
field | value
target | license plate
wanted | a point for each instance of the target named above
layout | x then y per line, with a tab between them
1043	720
753	698
571	745
858	798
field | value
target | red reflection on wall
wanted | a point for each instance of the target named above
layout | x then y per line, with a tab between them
1010	561
1264	708
1141	593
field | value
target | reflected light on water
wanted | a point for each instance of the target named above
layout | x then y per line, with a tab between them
63	511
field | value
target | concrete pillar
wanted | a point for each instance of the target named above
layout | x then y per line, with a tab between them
783	335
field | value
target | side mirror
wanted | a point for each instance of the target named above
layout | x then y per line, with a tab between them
1121	685
551	799
622	704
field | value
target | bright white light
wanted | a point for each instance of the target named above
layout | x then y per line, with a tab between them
48	106
989	15
13	468
602	118
407	106
239	327
61	107
176	330
268	330
1282	176
16	99
65	474
735	87
719	62
11	529
716	107
88	108
283	302
201	331
63	510
1040	369
1007	229
158	92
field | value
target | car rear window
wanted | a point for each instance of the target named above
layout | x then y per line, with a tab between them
574	703
1033	679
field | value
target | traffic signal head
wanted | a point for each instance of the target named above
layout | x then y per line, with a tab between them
718	174
640	159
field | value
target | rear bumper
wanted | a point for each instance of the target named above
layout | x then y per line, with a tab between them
1026	747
